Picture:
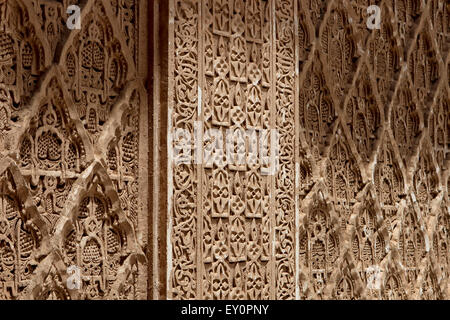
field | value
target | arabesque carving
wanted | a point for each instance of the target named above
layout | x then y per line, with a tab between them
357	205
66	202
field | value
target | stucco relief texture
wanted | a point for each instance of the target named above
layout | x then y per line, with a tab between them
72	151
359	206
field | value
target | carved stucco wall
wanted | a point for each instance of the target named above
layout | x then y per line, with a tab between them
73	150
364	131
363	169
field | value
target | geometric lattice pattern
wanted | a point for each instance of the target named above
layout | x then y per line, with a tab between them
350	200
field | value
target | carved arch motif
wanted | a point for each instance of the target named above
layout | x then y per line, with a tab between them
49	281
389	182
346	283
94	234
53	148
405	119
51	79
393	288
52	141
363	114
23	234
393	283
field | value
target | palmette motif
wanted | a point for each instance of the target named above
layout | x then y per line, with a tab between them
363	115
385	54
440	15
319	247
23	58
338	45
407	14
389	182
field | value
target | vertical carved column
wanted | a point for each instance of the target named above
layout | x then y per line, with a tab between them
184	64
284	182
236	67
